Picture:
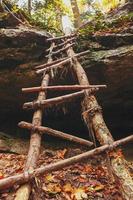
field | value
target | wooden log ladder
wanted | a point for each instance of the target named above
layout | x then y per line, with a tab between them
91	113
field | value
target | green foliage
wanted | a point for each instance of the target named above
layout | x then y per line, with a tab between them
100	23
47	14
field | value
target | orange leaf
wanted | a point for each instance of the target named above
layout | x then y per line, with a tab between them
68	188
61	153
1	175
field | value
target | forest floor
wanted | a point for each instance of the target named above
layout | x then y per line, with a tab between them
86	180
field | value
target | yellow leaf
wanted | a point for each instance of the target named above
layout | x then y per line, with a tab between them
49	178
80	194
67	188
99	187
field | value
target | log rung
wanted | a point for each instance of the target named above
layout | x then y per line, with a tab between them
52	132
53	66
61	37
63	88
64	43
24	177
49	64
78	55
52	101
60	50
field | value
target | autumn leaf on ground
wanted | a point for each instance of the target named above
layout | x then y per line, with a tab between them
49	178
52	188
82	179
79	194
1	175
88	169
61	153
68	188
99	187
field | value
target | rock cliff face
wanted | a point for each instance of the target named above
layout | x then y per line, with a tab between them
110	62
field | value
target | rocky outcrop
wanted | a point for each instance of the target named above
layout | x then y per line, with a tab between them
106	64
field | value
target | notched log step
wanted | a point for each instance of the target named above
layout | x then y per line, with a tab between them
50	102
55	133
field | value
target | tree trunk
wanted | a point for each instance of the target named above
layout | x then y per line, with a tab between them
29	6
76	13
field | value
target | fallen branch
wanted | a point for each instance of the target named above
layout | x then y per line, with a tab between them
53	66
49	102
55	133
27	176
62	88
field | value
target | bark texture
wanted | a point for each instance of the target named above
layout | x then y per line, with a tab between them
94	119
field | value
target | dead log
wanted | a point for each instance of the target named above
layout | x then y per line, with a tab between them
54	66
31	174
23	192
61	50
50	102
62	88
93	118
55	133
61	37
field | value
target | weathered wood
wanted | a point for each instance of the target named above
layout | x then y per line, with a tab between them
62	88
55	133
93	118
49	63
64	43
61	37
42	68
23	192
60	64
78	55
83	53
61	50
30	174
49	102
